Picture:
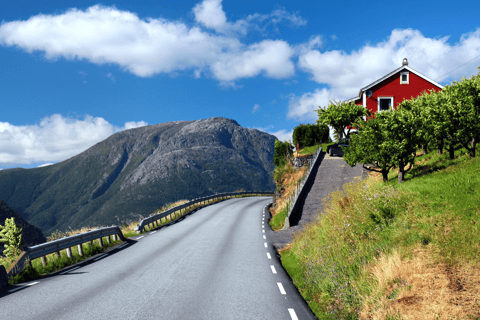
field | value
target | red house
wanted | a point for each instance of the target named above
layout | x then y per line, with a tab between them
388	91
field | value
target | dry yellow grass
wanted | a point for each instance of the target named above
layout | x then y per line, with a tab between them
419	288
290	181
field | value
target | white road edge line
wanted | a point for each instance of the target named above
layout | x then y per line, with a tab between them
69	270
269	256
23	286
153	232
293	315
280	287
273	269
139	238
102	256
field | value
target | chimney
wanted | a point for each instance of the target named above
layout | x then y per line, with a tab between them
405	62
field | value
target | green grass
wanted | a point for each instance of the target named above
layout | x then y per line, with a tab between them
278	221
436	207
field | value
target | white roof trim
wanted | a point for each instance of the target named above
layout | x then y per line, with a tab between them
396	71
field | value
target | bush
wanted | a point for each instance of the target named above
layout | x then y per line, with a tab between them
308	134
281	150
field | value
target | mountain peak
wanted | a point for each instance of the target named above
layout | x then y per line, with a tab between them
131	173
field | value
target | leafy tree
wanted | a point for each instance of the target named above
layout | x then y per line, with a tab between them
387	141
11	235
464	98
308	134
368	146
282	149
340	115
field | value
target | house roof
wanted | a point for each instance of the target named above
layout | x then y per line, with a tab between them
404	67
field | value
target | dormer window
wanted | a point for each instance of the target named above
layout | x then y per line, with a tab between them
404	77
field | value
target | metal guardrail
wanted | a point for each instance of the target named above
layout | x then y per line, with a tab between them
41	250
154	218
300	188
55	246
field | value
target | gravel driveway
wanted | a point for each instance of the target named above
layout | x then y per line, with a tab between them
329	175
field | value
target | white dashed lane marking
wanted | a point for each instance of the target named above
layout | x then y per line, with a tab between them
273	269
153	232
264	237
265	244
269	256
140	237
293	315
280	287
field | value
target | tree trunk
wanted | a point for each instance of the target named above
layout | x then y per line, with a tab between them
425	149
401	171
451	149
473	146
385	175
440	146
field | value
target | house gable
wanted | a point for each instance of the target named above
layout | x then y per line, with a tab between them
392	89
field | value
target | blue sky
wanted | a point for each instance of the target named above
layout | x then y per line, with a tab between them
74	72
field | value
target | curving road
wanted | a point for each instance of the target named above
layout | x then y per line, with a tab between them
216	263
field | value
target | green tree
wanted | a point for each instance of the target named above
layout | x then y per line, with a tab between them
464	98
281	151
369	146
308	134
11	236
340	115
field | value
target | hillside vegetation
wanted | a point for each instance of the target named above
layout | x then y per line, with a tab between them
396	251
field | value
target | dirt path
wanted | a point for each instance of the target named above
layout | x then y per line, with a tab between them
331	174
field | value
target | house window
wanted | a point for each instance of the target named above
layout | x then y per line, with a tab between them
385	103
404	77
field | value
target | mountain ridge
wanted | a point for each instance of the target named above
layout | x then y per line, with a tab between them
131	173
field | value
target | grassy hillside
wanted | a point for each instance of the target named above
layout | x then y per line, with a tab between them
396	251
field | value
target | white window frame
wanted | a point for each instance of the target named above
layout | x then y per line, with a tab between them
378	103
401	76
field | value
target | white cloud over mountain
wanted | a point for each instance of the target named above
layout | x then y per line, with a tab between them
55	138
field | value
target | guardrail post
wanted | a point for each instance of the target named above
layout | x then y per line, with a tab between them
69	252
58	254
109	241
80	249
100	240
44	261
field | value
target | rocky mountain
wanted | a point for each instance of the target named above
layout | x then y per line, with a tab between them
134	172
31	235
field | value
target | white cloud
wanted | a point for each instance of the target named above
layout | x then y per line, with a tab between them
133	124
54	139
210	14
346	73
269	56
303	108
256	107
45	165
283	135
148	47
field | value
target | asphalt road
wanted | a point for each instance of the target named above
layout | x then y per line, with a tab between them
216	263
